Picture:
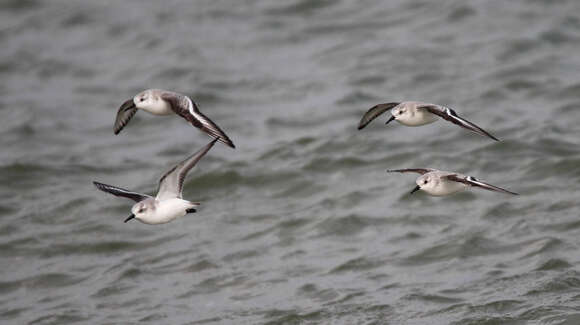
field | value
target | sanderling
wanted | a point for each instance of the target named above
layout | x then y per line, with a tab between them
168	204
418	113
440	183
163	102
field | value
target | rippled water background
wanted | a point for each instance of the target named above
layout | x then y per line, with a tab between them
301	223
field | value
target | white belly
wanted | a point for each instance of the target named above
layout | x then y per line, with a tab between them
446	188
167	211
157	107
417	118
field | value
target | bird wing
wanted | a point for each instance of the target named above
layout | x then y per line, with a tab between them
451	116
117	191
171	183
421	171
472	181
186	108
374	112
124	115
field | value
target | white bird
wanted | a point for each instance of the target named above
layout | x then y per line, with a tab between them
163	102
168	204
418	113
440	183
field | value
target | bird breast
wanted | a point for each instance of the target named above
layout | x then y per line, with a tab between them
157	106
417	117
167	211
446	187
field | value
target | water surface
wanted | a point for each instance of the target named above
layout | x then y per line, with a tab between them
301	223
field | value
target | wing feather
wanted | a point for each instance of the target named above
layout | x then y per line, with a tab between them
117	191
472	181
209	127
124	115
186	108
374	112
451	116
421	171
171	183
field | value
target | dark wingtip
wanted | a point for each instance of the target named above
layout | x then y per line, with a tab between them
361	123
100	186
373	112
491	136
230	143
225	141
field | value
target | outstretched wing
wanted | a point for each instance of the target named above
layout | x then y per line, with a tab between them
451	116
472	181
374	112
124	115
411	170
117	191
186	108
171	184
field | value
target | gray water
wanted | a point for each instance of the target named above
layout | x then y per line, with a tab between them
301	223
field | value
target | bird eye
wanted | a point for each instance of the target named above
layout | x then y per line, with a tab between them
425	182
141	210
142	99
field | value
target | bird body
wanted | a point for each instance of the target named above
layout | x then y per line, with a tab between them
435	183
164	102
414	113
410	114
441	183
153	212
168	204
152	103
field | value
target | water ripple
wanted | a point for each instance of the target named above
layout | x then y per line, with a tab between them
301	223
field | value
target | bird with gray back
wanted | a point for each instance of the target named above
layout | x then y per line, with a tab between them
413	113
440	183
163	102
168	204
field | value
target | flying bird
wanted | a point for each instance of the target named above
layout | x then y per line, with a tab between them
417	113
168	204
440	183
163	102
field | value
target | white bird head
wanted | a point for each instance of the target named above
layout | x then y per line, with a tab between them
427	183
142	210
400	112
145	99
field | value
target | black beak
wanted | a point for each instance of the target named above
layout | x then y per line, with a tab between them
127	105
130	217
389	121
415	189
